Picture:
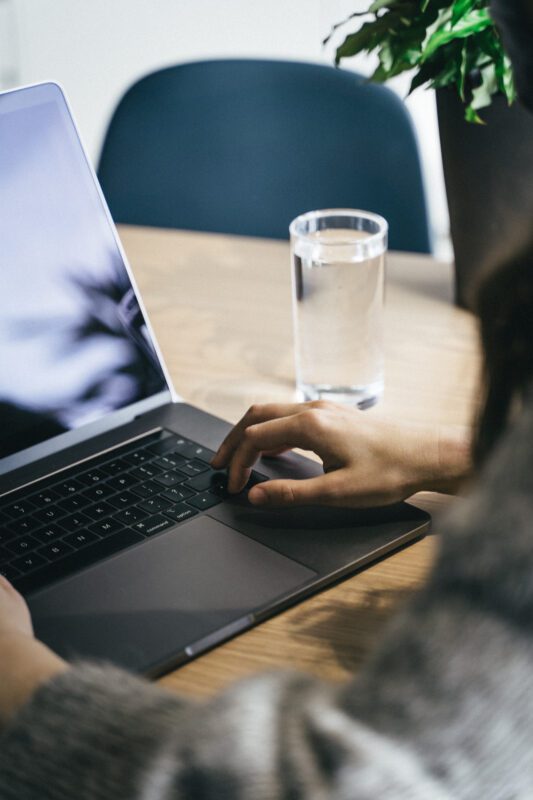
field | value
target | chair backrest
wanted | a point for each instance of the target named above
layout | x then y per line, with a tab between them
243	146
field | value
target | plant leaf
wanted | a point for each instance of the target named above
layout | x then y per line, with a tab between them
379	4
424	75
465	69
356	42
471	115
460	8
472	23
482	95
446	42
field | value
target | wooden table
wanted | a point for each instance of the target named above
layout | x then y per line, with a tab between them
221	309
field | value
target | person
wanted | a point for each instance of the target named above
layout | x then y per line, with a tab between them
444	707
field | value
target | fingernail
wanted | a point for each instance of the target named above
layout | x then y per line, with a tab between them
257	496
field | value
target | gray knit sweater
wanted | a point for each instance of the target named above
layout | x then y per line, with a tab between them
443	710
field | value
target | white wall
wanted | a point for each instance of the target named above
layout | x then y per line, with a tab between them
97	48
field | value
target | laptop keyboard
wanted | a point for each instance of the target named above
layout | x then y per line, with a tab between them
86	513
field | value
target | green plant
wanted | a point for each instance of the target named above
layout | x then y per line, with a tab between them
447	44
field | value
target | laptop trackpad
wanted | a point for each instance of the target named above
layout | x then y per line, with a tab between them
144	606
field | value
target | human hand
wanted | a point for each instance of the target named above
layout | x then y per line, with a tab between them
14	613
25	663
367	460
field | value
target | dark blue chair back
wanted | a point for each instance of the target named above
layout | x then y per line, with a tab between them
244	146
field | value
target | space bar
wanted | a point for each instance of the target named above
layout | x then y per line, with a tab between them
78	560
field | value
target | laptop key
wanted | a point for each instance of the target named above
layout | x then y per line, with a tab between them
169	461
122	482
20	509
118	466
74	503
220	485
55	550
99	492
106	527
140	456
92	477
154	504
146	489
100	510
123	500
46	497
146	471
49	533
68	487
81	538
48	514
30	562
78	559
204	500
23	545
194	468
205	480
131	515
75	522
202	453
177	494
24	525
153	525
185	448
170	478
180	512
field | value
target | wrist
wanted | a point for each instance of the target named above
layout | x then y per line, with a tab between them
453	460
443	462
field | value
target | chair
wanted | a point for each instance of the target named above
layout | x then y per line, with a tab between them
243	146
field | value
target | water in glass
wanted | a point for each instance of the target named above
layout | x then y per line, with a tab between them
338	319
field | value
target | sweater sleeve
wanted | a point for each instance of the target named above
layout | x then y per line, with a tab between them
96	733
442	710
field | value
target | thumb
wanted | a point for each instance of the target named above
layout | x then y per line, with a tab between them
311	491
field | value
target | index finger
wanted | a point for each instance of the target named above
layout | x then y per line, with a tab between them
255	414
273	434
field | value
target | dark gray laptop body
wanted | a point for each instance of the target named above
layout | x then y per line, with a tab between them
169	595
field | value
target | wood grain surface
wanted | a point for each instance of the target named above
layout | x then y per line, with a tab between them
221	310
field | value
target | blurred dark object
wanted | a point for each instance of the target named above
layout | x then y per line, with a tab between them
488	170
504	304
244	146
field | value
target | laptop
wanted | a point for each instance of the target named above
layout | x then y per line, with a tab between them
113	525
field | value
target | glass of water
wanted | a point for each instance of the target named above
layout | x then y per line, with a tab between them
338	275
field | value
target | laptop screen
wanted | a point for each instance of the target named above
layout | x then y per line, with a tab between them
74	344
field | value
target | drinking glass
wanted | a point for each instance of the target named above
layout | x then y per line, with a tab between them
338	274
